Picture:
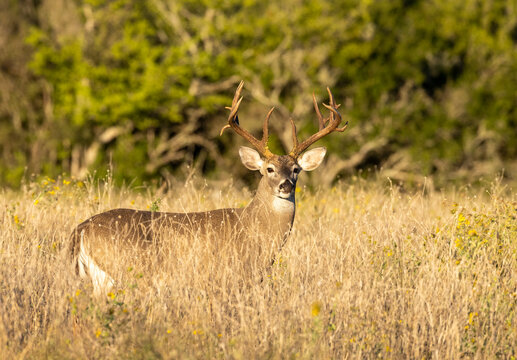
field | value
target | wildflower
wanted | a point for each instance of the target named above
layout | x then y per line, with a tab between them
462	220
111	295
36	202
472	315
98	333
66	182
169	331
315	308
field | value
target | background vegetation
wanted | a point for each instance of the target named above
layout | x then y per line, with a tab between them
429	87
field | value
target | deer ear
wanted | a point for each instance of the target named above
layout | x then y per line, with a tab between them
311	159
250	158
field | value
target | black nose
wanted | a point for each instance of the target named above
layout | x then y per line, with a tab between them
286	186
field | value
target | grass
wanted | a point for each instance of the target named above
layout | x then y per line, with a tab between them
370	271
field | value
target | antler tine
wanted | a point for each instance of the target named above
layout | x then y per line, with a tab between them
334	111
265	127
321	121
332	104
233	122
236	102
326	126
293	128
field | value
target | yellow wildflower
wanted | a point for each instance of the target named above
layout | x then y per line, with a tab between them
315	308
472	315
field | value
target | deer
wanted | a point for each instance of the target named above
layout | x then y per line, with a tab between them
269	216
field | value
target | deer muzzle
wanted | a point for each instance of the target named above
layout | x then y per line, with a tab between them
286	186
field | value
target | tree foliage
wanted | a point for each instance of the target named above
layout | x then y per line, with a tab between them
429	87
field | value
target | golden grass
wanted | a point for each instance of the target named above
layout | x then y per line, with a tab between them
369	271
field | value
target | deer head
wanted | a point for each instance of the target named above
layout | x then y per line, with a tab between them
280	172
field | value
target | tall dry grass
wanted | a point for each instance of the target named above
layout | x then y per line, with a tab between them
369	271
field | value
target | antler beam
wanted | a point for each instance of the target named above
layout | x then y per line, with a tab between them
326	126
233	122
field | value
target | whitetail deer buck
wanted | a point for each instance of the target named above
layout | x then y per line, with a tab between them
269	216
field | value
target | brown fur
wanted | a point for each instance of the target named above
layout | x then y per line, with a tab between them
251	237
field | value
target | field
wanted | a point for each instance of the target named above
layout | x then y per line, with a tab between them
371	270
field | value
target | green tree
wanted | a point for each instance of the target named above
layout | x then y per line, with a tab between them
428	87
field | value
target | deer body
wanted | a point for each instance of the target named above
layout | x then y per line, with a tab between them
257	231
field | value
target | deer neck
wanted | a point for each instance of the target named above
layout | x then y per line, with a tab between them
274	213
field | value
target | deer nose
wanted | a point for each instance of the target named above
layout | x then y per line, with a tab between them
286	186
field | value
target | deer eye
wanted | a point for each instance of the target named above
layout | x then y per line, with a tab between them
270	170
296	170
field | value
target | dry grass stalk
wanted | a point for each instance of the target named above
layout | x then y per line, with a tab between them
369	271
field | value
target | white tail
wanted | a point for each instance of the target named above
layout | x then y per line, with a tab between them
269	215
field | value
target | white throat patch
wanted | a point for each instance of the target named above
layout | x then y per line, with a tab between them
281	205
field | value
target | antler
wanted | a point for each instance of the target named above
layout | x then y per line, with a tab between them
233	122
326	126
